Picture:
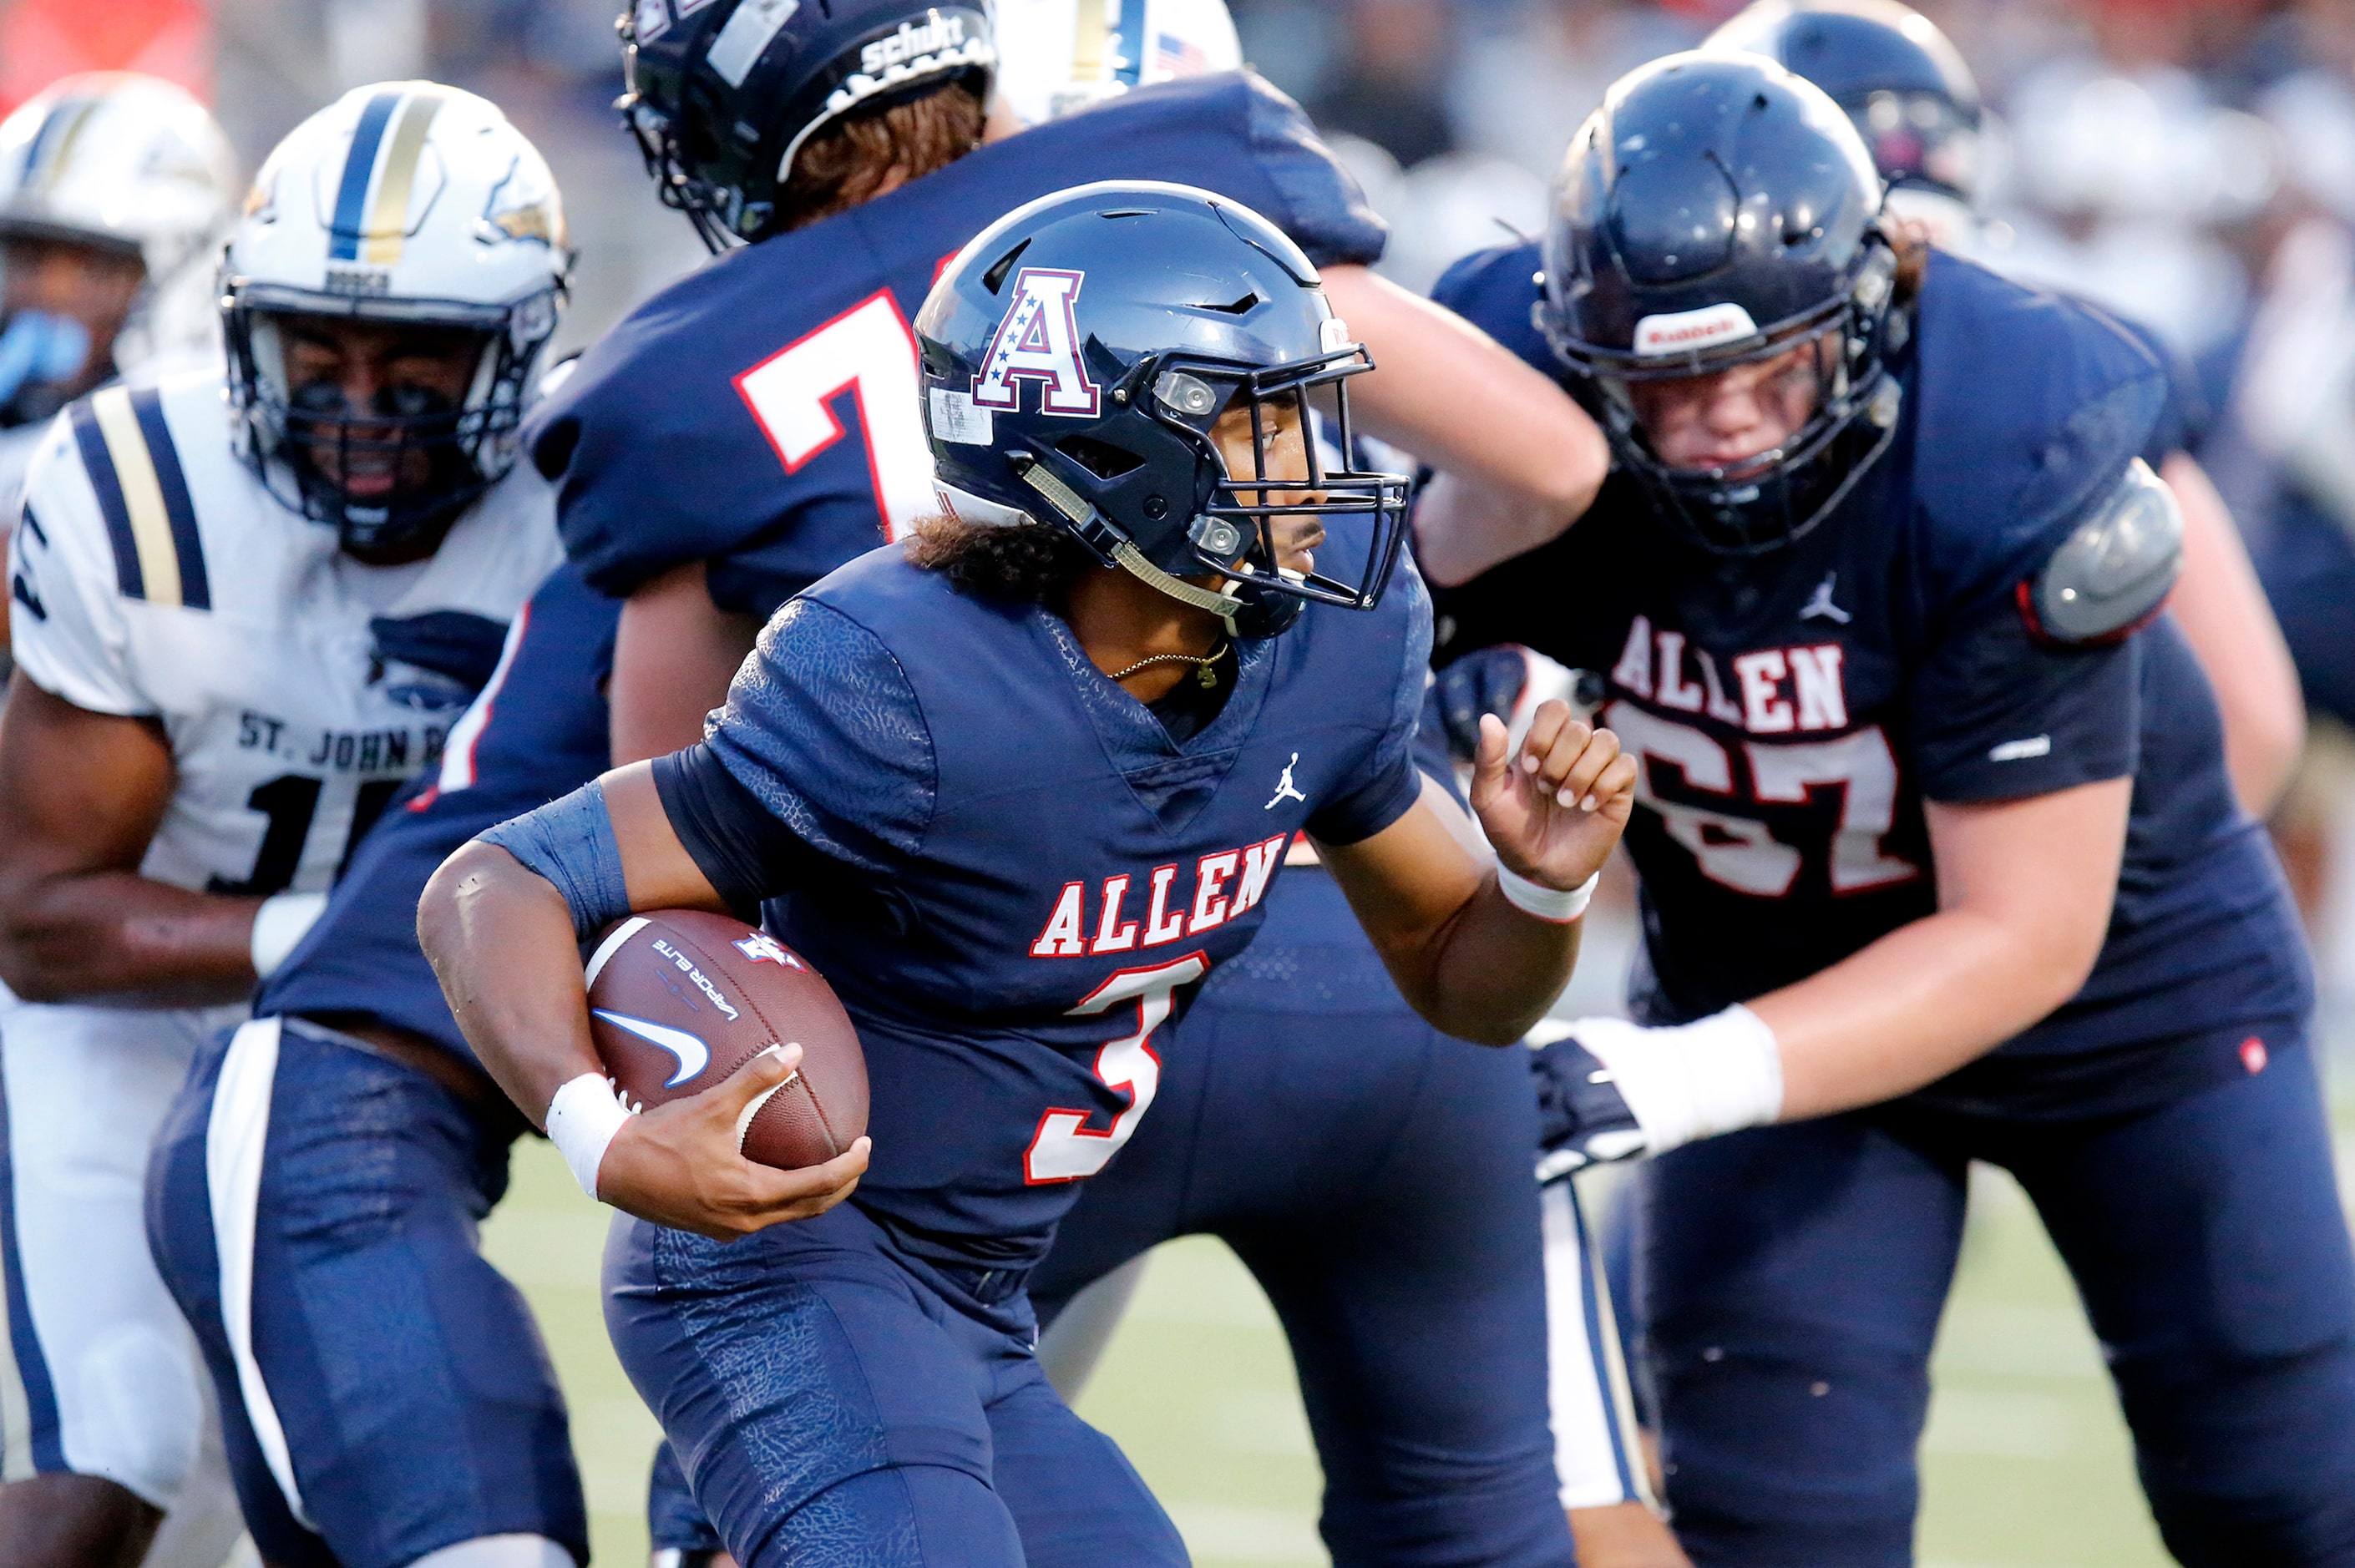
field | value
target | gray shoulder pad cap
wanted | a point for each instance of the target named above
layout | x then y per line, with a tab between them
2114	572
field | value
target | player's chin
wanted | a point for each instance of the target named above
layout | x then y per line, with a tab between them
1296	537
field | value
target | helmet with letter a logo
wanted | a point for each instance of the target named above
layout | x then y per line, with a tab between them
1077	357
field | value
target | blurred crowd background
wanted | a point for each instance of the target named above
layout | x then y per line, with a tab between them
2190	162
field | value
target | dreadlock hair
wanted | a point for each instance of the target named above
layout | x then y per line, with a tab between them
1027	563
878	146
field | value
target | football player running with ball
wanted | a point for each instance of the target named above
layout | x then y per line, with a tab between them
1359	1161
977	771
540	730
1939	855
784	378
239	630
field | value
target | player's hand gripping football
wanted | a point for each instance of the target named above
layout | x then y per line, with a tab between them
679	1164
1553	807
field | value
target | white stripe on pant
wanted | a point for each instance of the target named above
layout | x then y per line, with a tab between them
235	1136
1596	1456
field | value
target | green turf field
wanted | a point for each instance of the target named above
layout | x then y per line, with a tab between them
2027	1463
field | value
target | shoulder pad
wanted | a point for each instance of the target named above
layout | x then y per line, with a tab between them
2114	572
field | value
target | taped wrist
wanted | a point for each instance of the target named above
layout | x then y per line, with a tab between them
278	927
1715	1075
571	842
582	1118
1557	905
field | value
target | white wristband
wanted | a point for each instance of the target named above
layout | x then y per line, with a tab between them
1715	1075
582	1118
279	926
1545	903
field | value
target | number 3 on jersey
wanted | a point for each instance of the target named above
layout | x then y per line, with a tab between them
870	351
1065	1149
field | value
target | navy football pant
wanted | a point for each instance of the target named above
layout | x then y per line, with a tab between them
1792	1280
835	1402
1374	1175
384	1392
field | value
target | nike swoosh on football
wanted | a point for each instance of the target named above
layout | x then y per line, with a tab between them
692	1054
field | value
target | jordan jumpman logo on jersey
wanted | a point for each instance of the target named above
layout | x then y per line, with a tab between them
1820	606
1284	790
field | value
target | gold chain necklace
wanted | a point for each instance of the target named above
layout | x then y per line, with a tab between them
1202	663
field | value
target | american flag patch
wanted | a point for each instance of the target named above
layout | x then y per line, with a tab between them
1178	57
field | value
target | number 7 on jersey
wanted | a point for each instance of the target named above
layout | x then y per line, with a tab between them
868	350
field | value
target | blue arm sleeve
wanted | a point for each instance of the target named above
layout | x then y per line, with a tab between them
571	842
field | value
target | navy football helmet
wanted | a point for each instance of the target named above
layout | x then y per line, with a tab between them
1076	356
1716	211
1902	81
722	94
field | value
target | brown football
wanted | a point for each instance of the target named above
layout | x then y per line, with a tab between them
679	1000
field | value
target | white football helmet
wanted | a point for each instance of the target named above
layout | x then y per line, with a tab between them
132	164
1058	56
407	203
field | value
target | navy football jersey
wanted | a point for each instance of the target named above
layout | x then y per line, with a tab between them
537	731
1793	711
1034	878
762	415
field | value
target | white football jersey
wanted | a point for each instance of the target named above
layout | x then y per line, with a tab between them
17	448
157	576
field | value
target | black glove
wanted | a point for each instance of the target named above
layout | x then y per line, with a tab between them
1583	1119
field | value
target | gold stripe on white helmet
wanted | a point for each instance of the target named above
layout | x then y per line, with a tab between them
1058	56
134	163
406	202
400	195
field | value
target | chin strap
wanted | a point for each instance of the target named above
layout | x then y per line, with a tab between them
1131	559
1225	606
